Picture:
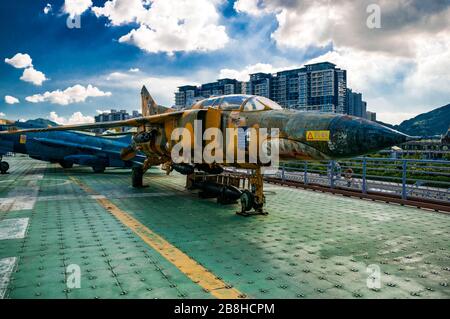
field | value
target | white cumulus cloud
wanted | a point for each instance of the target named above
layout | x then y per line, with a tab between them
397	87
133	70
20	61
33	76
30	74
121	11
2	114
252	7
168	25
162	88
75	118
11	99
117	76
47	8
343	23
402	68
102	111
73	94
76	7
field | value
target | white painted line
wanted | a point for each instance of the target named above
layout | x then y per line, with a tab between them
60	197
98	196
23	202
33	177
21	198
138	195
17	203
5	204
6	268
13	228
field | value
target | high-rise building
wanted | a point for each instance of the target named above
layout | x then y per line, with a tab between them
364	109
322	87
135	114
185	96
260	84
245	87
315	87
355	105
189	94
115	115
285	90
372	116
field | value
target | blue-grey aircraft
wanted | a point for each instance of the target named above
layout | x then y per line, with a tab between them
67	148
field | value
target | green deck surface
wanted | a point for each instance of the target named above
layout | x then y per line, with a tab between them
312	245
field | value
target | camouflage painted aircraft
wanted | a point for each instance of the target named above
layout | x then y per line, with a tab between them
302	136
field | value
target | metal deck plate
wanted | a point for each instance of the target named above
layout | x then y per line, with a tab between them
312	245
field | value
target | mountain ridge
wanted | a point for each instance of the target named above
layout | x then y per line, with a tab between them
434	122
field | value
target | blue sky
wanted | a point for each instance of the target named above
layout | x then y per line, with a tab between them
225	38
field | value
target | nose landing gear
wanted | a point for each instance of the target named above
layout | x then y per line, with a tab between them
4	166
137	177
98	169
252	202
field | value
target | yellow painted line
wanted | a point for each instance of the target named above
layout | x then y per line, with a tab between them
197	273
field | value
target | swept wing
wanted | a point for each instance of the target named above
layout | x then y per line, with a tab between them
136	122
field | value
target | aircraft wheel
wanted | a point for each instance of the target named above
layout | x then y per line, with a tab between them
247	201
4	167
66	164
137	177
98	169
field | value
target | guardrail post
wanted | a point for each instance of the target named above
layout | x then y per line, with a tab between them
404	195
283	177
364	176
305	176
332	164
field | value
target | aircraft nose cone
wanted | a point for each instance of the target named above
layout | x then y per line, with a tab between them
352	136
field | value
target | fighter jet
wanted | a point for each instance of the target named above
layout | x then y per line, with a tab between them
67	148
300	136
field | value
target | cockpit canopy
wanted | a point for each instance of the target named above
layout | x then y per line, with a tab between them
238	102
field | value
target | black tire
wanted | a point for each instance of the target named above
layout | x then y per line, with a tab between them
4	167
247	201
66	164
98	169
137	177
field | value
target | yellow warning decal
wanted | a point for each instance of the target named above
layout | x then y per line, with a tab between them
317	136
23	139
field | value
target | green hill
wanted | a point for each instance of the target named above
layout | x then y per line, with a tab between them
435	122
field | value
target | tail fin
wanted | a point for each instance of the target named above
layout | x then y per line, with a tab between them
149	106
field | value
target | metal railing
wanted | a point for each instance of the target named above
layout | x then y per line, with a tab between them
403	178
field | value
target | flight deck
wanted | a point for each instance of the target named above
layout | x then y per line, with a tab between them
69	233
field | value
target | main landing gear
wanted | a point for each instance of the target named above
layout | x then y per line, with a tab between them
98	169
137	172
137	177
66	164
252	202
4	166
